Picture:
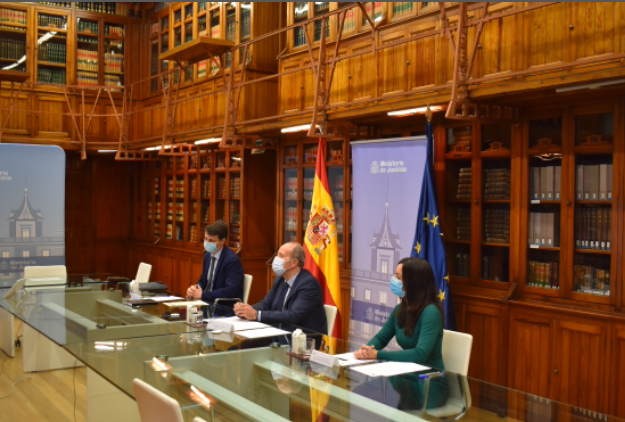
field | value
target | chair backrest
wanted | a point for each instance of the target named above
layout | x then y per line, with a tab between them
154	405
143	273
457	351
247	286
330	317
45	275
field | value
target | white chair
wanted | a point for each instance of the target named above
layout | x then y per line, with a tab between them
330	317
45	275
198	419
456	356
154	405
143	273
247	286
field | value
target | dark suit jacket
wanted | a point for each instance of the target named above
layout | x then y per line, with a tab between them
304	305
227	278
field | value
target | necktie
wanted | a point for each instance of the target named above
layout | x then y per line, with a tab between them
209	283
282	296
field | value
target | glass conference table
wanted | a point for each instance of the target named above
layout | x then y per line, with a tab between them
221	376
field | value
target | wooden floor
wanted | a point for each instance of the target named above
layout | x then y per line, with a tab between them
45	397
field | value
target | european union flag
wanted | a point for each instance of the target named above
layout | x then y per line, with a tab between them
428	242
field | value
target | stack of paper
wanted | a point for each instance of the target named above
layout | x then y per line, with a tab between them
184	304
262	333
390	369
235	324
348	359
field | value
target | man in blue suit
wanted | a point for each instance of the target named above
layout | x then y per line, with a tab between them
295	298
222	274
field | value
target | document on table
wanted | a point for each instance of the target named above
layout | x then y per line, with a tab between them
236	324
390	369
348	359
164	298
262	333
184	304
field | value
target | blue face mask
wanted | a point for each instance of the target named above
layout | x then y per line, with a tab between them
396	287
210	247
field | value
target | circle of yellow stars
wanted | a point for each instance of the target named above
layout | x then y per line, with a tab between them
434	222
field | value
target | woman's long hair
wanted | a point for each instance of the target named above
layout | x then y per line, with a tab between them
420	288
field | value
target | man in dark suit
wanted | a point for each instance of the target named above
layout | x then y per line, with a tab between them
222	273
295	298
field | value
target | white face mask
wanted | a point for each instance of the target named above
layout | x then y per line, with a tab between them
278	266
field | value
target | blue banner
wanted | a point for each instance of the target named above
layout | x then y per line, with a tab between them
387	177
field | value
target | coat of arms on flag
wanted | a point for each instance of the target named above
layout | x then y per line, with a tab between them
321	228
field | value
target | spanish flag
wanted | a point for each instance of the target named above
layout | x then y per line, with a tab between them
321	242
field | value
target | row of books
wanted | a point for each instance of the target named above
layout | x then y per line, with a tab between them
309	185
115	30
246	24
306	219
350	20
497	183
52	21
13	16
201	69
87	78
87	60
290	217
497	226
207	214
463	263
52	52
339	213
51	76
157	230
492	268
158	210
235	187
12	49
310	154
56	3
194	188
112	80
221	187
594	183
154	29
291	188
593	228
591	280
88	26
463	228
113	63
193	233
402	7
338	190
12	28
543	274
464	183
235	216
169	232
543	229
157	185
545	183
206	189
87	39
113	8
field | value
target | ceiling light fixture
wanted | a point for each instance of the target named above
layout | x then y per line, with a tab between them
208	141
292	129
107	150
413	111
590	86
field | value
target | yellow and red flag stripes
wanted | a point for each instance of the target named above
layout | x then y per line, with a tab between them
321	242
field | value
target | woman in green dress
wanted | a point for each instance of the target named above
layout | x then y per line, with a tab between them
417	325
